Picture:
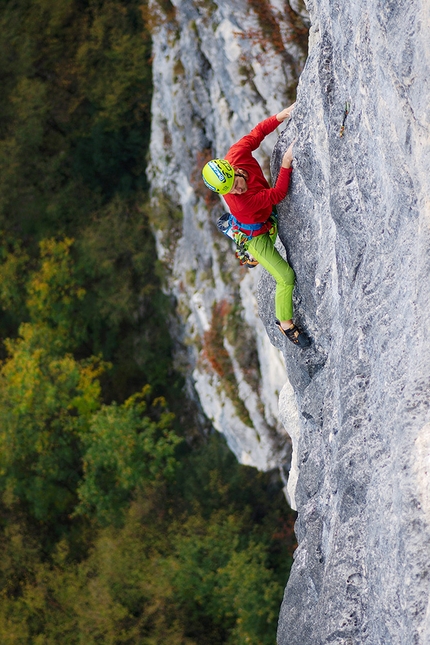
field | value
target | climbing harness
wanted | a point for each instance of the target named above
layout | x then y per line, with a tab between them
229	225
345	114
241	234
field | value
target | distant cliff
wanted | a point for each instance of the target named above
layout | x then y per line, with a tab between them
356	229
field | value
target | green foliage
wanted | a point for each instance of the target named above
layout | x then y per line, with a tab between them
113	528
125	309
194	574
99	293
13	277
222	584
54	293
56	436
75	103
125	449
46	398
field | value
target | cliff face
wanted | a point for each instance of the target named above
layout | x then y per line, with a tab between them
356	228
220	68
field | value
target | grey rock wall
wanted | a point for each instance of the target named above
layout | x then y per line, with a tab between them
217	74
356	228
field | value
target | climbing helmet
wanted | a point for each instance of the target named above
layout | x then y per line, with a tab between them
218	175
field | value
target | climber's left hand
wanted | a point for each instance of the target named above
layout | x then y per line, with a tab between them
286	113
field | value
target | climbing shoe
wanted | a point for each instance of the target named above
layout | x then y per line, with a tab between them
295	335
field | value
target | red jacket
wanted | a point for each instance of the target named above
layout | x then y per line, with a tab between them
256	204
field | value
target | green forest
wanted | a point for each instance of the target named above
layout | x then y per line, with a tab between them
122	521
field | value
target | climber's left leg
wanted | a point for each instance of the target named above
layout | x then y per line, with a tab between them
262	249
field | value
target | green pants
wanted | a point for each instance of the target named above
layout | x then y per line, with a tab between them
262	247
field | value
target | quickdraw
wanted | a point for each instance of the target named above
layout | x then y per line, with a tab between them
345	114
230	226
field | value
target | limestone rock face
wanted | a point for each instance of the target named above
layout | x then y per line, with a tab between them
219	68
356	229
355	226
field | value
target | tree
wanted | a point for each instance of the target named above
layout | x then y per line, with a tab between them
56	434
76	92
125	449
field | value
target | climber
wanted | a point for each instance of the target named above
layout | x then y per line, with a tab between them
239	178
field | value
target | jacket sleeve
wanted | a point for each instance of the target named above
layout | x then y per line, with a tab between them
252	205
252	140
